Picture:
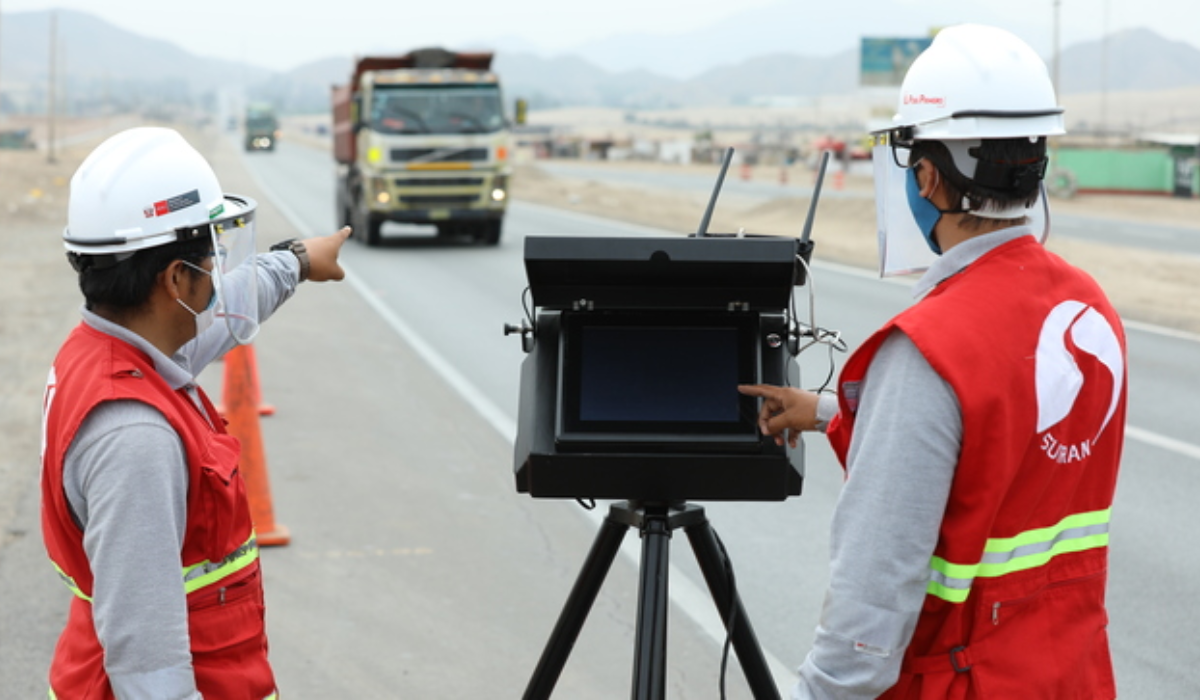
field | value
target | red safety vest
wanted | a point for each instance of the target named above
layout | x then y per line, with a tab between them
220	569
1036	357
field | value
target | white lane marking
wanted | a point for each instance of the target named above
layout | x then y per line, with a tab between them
686	595
1130	232
1160	330
1162	441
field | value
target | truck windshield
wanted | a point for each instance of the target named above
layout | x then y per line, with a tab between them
436	109
260	123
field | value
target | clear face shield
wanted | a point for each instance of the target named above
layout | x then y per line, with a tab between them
234	274
903	248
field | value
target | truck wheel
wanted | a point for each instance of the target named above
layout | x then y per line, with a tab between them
367	229
366	225
374	230
489	233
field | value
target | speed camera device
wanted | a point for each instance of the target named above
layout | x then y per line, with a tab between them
636	347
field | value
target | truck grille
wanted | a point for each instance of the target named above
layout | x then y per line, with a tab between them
439	200
439	182
447	155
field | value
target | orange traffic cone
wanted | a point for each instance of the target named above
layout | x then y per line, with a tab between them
746	171
241	409
264	409
839	179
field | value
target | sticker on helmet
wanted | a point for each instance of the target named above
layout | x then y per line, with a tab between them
923	99
174	204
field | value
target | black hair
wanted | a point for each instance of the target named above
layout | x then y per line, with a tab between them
124	287
1008	173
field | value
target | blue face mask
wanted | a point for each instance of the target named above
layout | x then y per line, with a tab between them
924	211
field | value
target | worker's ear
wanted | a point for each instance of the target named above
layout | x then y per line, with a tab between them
928	177
175	280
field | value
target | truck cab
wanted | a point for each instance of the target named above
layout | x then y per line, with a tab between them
422	138
262	127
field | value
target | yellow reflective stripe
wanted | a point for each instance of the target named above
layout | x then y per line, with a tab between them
196	576
953	595
70	583
206	573
1048	534
1006	555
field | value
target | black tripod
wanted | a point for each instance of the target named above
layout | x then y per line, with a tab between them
655	521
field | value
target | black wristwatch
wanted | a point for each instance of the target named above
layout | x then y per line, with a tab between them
297	247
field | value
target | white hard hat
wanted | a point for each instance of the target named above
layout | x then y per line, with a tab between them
978	82
141	188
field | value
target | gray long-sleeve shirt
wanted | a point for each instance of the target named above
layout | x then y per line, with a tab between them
900	466
126	480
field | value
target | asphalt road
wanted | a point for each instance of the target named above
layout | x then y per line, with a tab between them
448	301
416	570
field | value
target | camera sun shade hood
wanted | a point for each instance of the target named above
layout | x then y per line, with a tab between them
600	300
708	273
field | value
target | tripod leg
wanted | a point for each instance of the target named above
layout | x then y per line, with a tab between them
649	668
575	610
745	643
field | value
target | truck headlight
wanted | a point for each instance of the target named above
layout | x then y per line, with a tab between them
499	188
379	187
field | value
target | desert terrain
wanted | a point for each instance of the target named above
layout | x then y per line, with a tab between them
1146	286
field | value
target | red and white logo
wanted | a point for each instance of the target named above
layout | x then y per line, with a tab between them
173	204
1073	335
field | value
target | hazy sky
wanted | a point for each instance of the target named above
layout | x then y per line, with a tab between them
283	34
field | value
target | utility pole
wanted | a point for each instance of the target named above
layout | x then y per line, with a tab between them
1104	76
1057	49
52	88
1057	74
1	72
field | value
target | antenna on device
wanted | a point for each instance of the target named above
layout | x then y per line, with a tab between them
712	201
812	205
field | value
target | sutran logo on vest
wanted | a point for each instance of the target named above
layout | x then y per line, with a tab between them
1074	335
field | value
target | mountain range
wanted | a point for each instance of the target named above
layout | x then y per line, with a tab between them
126	70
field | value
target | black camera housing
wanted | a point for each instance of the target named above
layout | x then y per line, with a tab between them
630	387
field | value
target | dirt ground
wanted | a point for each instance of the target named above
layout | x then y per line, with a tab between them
39	302
1151	287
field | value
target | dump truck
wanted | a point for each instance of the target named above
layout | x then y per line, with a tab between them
422	138
262	127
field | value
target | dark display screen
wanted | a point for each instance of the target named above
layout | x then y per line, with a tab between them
657	374
628	376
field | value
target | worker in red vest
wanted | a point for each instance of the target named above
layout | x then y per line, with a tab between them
981	429
144	512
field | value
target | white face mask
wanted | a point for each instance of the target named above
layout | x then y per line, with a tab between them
205	318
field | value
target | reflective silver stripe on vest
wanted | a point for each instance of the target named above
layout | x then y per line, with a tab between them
196	576
206	573
70	583
1005	555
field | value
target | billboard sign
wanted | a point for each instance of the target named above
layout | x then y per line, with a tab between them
885	60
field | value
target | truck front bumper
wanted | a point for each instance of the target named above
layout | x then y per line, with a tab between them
471	195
